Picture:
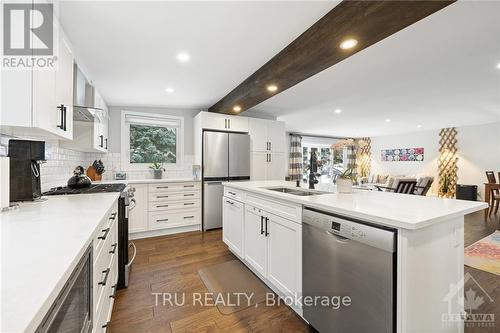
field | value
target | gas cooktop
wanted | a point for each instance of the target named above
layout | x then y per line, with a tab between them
98	188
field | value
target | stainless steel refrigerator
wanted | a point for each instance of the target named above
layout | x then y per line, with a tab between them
226	157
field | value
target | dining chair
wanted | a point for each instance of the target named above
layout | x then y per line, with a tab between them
494	194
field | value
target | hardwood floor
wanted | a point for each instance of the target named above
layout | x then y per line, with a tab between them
170	264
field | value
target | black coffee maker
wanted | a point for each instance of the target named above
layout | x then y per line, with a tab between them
25	158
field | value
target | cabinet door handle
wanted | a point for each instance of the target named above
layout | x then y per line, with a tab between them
106	232
106	325
101	137
113	248
270	158
225	123
229	122
103	282
261	225
267	220
270	145
65	116
61	108
113	216
114	291
106	143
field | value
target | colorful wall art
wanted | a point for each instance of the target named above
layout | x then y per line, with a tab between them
403	155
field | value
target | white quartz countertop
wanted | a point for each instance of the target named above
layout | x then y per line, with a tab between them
146	181
390	209
42	243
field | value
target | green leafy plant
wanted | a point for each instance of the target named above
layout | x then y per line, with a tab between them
347	174
157	166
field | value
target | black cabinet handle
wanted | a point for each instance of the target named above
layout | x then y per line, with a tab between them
161	196
270	145
106	232
189	217
65	116
103	282
114	248
188	203
101	137
106	143
114	291
162	220
232	193
261	225
229	122
188	185
113	216
105	325
189	195
160	206
267	220
61	108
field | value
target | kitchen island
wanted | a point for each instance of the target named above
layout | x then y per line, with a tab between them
263	226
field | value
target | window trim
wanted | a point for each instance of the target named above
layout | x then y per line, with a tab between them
125	141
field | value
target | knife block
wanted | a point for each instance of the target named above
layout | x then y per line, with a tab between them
92	174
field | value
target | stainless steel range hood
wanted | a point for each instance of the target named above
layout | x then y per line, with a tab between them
83	97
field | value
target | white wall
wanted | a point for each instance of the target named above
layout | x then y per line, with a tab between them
478	151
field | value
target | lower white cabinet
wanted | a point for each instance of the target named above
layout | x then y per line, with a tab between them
267	166
273	248
164	208
138	218
232	227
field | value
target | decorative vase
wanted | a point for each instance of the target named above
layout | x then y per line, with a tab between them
344	185
157	174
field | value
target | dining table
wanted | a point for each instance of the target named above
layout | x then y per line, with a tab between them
488	187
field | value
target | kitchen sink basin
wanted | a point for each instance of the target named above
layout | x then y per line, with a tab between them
294	191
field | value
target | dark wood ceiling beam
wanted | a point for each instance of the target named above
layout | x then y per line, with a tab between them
318	48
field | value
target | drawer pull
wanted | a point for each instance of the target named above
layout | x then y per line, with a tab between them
188	203
113	216
189	195
161	187
159	206
230	202
162	220
103	282
232	193
189	217
161	196
188	185
105	325
106	232
114	248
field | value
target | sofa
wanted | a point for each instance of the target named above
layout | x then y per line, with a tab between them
390	182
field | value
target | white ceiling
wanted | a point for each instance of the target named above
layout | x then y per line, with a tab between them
436	73
128	49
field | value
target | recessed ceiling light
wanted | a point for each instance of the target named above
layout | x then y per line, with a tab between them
338	111
387	120
169	90
183	57
237	108
272	87
348	44
498	65
419	126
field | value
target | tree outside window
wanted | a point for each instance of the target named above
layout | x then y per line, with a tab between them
150	144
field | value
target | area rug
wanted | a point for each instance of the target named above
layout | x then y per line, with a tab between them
485	254
233	286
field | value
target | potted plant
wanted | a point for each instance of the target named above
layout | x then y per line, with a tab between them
345	181
157	170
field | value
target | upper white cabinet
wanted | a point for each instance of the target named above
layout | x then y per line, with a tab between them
267	135
38	102
223	122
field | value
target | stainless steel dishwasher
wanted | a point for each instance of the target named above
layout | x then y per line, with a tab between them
346	258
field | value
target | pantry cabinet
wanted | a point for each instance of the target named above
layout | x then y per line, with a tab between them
38	102
267	166
267	135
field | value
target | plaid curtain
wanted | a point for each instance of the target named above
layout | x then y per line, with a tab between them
350	161
295	162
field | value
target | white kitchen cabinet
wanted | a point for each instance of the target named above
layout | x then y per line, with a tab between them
138	218
267	135
232	226
267	166
255	240
285	254
38	102
223	122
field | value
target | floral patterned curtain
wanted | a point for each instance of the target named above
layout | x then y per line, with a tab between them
295	159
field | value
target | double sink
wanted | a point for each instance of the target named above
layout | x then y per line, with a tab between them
295	191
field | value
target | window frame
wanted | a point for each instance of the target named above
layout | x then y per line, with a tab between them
159	118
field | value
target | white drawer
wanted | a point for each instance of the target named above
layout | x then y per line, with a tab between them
174	205
104	260
104	230
170	196
106	299
163	220
234	194
284	209
174	187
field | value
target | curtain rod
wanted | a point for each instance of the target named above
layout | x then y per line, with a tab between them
318	136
